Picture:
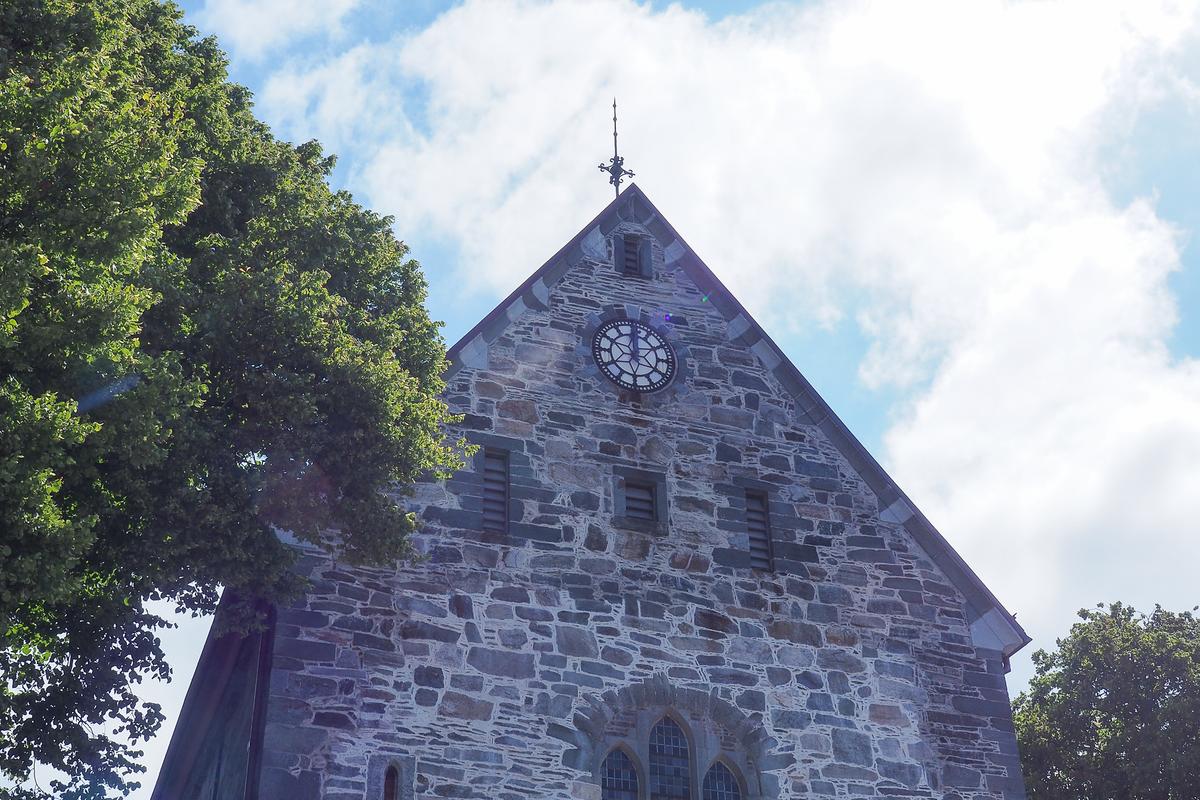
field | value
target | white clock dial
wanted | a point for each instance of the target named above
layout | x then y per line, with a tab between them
633	355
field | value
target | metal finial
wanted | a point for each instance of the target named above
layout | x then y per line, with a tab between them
616	166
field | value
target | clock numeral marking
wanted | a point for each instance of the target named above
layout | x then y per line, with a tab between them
633	355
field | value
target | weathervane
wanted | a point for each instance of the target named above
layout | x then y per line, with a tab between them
616	166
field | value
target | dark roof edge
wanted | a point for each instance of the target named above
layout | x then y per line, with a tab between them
895	505
213	670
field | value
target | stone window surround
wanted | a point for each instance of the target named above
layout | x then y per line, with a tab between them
764	498
602	722
704	750
645	244
504	454
659	526
377	767
769	491
518	462
737	516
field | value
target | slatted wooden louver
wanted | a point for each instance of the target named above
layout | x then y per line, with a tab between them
640	501
495	490
758	527
632	255
633	264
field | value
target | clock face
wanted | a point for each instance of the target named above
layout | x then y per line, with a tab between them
633	355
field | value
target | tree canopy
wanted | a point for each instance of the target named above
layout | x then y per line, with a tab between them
1114	712
200	343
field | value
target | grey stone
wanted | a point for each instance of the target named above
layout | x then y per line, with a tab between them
885	714
798	632
426	675
905	773
852	747
304	650
840	660
573	641
461	706
960	777
502	663
332	719
413	629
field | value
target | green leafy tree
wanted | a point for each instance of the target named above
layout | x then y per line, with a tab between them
200	342
1114	713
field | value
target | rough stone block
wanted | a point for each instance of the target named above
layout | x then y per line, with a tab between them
852	747
460	706
501	663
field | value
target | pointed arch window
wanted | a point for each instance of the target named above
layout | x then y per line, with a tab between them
670	765
391	783
658	755
720	784
619	780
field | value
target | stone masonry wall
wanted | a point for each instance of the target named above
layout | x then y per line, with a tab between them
501	665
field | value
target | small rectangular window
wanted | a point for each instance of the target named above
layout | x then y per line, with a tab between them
640	501
633	263
495	490
758	527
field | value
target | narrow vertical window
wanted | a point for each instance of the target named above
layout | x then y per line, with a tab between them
670	771
640	500
495	490
619	780
719	784
632	255
758	527
391	784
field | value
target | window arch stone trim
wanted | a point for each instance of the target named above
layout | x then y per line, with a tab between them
377	767
593	733
639	766
733	769
644	729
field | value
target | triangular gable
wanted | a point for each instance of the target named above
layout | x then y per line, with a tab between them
992	626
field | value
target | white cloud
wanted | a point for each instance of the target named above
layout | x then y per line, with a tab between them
933	170
252	28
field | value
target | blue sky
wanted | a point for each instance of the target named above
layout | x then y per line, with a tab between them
970	224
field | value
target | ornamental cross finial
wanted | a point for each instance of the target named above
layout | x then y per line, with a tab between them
616	166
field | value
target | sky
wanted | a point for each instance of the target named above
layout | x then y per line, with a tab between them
970	223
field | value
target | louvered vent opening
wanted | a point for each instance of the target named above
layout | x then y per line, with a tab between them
759	528
632	261
639	500
495	490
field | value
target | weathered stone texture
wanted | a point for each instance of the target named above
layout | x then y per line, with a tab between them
850	667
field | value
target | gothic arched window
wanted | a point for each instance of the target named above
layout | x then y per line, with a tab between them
391	784
719	784
670	767
657	753
619	779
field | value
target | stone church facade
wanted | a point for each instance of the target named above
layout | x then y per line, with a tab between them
694	586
